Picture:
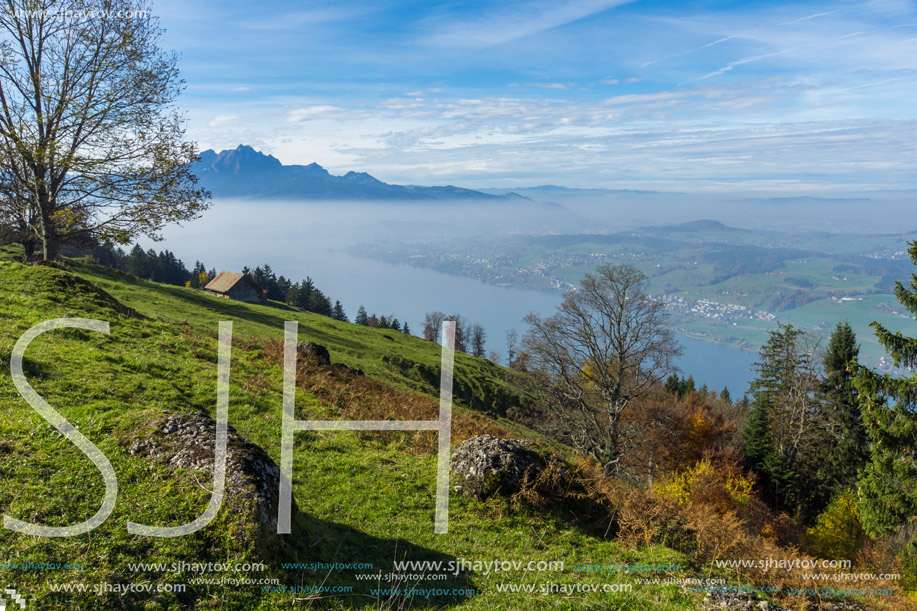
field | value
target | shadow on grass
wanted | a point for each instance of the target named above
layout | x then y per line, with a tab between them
326	547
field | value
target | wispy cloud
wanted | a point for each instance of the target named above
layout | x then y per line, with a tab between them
689	51
549	85
778	93
221	120
306	113
511	22
806	18
738	62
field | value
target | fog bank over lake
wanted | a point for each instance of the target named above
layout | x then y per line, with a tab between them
310	239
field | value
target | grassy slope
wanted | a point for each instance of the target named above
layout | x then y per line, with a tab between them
362	498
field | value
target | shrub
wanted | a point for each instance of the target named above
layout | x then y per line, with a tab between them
838	532
721	485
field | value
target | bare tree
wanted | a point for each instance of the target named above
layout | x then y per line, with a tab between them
90	142
608	343
461	332
432	323
478	337
512	339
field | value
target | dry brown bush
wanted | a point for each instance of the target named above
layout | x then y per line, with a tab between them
353	396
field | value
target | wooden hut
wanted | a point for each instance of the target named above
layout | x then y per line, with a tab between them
230	285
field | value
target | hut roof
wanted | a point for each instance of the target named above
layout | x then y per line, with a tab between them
224	282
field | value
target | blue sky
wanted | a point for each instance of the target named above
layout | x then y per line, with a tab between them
805	98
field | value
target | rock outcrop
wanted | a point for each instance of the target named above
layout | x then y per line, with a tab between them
484	464
252	477
314	352
724	600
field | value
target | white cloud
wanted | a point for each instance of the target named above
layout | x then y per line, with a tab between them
739	62
307	113
221	120
517	20
816	15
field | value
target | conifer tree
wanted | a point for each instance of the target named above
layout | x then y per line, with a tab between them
888	483
787	411
338	312
689	386
847	451
362	318
673	385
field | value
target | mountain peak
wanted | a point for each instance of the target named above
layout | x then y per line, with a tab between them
243	158
246	172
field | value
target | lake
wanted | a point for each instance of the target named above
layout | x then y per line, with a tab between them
300	240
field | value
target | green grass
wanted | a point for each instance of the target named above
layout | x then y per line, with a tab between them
362	498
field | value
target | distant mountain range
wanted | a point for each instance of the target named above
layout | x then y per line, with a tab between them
245	172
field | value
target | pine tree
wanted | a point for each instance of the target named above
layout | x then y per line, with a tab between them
785	398
725	396
847	451
673	385
362	318
405	329
757	444
338	312
888	483
199	268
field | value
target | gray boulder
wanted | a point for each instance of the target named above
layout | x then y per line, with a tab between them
720	600
314	352
484	464
252	477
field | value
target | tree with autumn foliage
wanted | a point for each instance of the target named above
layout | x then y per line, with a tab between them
608	344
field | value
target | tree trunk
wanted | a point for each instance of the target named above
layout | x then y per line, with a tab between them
28	245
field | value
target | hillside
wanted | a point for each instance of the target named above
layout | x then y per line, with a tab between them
364	498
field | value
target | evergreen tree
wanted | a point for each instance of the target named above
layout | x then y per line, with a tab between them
292	296
673	385
785	399
137	263
725	396
318	303
757	445
847	450
405	329
688	387
338	312
888	483
361	318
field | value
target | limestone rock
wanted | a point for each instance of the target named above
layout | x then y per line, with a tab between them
252	477
484	464
314	352
719	600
